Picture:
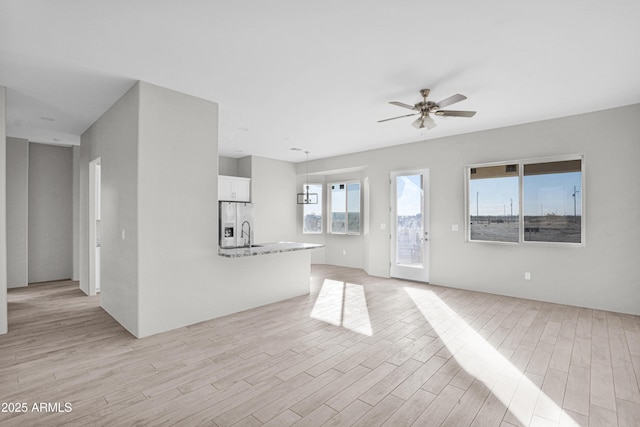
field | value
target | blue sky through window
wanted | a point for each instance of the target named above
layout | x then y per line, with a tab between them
544	194
494	196
409	194
552	194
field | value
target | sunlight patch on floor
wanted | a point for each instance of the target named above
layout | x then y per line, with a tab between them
343	304
522	398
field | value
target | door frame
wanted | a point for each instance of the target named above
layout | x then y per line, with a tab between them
93	216
409	273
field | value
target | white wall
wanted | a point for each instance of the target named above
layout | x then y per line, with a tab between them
114	138
50	213
3	210
157	148
227	166
178	175
244	166
182	280
51	187
603	274
17	212
273	192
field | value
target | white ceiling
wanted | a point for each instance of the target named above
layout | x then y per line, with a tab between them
317	75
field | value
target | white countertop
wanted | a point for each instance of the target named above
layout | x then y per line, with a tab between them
267	248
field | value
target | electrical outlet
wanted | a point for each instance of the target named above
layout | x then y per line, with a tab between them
454	227
344	252
527	276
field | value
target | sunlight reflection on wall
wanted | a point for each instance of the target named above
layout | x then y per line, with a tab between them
343	304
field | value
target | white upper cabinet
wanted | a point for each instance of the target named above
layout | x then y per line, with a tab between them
234	188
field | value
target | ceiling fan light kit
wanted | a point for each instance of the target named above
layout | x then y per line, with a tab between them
424	108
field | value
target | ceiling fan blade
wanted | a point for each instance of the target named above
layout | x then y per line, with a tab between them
454	113
403	105
399	117
451	100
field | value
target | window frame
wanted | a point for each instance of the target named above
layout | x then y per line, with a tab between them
320	201
521	167
346	195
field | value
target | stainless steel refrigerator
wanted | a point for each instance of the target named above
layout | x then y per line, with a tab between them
235	224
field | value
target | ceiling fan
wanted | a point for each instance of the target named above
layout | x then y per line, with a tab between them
424	108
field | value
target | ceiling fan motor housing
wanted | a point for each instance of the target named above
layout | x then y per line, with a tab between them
426	106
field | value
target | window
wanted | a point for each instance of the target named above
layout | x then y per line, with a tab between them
353	208
526	201
493	190
312	213
552	202
338	208
345	208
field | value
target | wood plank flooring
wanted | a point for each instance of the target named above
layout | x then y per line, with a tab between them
376	352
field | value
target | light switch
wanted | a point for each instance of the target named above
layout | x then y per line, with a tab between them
123	234
383	226
454	227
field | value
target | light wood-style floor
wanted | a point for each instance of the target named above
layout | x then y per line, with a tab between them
358	350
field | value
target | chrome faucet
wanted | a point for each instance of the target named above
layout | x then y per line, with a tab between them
242	233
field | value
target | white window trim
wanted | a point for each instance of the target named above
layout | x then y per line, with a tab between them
521	163
322	211
329	212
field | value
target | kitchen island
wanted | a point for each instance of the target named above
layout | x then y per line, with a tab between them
243	280
266	248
